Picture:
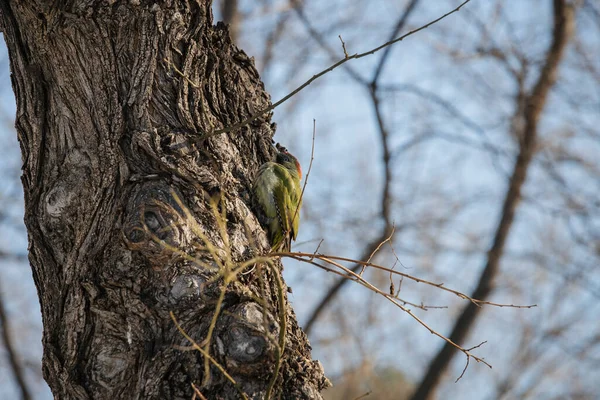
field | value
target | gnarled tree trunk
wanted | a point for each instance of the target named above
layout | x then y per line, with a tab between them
115	101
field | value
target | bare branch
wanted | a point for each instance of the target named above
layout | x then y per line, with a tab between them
333	260
13	359
387	229
353	276
399	25
312	158
325	71
197	347
317	37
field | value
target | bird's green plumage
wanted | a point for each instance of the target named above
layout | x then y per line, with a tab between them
277	192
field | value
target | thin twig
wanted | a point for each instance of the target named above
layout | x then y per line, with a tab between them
363	282
325	71
318	247
399	25
215	362
377	249
318	37
441	286
13	359
464	370
179	72
207	340
362	396
343	46
387	172
197	392
312	157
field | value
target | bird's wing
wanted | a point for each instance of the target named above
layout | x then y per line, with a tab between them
290	202
264	187
282	192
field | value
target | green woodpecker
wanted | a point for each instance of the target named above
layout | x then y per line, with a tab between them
277	193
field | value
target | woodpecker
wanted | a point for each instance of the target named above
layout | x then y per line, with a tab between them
277	194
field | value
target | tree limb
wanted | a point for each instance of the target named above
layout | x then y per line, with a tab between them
326	71
13	359
534	105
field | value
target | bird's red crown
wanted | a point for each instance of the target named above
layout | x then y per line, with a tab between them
285	151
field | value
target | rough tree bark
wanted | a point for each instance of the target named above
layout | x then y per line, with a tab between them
113	101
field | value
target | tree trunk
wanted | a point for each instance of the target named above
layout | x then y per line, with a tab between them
114	103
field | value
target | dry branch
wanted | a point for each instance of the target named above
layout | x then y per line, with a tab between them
13	358
325	71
